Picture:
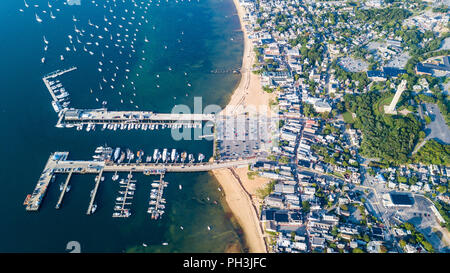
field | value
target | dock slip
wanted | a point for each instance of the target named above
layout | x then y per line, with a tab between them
98	179
54	86
57	163
63	190
157	202
122	201
58	73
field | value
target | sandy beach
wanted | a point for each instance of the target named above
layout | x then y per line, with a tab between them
249	91
243	208
240	192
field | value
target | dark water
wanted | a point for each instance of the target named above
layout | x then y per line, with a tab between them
198	39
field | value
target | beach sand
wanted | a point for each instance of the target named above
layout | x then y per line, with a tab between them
243	209
249	92
240	192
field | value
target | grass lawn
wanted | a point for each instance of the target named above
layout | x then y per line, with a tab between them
348	117
379	106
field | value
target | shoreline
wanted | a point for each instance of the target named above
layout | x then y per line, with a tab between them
249	91
239	191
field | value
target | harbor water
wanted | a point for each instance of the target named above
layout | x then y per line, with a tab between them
163	56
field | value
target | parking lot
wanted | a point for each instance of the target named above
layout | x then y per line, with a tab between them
353	65
437	127
244	137
399	61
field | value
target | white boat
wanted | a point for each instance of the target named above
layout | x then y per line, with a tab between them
164	155
94	208
39	20
173	154
56	106
68	188
180	187
45	41
116	153
99	149
155	154
97	157
115	177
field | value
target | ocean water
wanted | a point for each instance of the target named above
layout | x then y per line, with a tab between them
186	41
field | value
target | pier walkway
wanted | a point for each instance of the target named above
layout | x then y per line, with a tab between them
98	179
63	190
71	116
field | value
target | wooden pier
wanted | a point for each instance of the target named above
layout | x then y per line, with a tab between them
63	191
124	211
156	210
52	76
98	179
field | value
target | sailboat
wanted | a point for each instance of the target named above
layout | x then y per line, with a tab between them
45	41
52	16
39	20
43	60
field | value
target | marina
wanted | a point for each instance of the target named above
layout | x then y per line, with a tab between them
98	179
108	162
64	190
71	117
125	197
59	95
26	46
157	203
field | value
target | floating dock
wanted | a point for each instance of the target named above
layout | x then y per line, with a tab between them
122	211
54	87
98	179
157	203
63	190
